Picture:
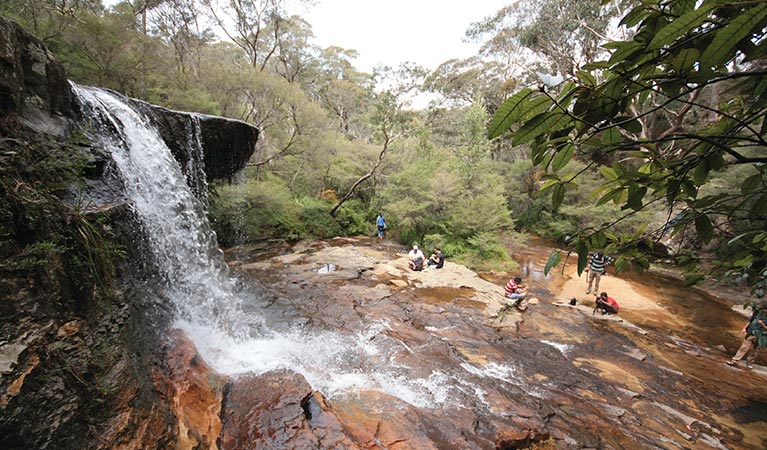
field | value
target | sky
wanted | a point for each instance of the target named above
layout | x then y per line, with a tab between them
390	32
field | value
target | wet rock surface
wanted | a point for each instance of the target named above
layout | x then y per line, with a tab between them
279	410
646	378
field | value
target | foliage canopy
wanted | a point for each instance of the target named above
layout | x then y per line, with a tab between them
668	114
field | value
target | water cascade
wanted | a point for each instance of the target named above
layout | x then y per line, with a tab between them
206	298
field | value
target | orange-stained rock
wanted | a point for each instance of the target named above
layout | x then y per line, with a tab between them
194	393
68	329
279	410
15	387
517	440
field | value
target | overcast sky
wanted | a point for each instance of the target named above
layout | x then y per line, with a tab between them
427	32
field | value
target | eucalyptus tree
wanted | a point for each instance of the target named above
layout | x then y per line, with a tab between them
182	25
704	62
342	89
391	119
257	26
560	35
295	58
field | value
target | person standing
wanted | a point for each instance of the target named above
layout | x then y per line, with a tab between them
596	269
755	332
381	224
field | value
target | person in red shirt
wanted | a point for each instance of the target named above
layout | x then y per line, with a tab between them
607	305
515	290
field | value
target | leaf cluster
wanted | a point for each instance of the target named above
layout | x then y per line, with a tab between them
681	101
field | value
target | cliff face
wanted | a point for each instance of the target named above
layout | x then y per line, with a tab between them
83	353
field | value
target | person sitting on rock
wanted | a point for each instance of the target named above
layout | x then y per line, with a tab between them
515	291
437	259
606	304
415	259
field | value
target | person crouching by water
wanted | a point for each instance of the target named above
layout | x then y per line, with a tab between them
515	291
606	304
755	332
415	259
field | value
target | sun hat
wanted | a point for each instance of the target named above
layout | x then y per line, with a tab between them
415	247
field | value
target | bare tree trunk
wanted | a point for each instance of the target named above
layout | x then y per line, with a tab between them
387	141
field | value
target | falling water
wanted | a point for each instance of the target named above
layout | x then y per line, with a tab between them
181	240
207	303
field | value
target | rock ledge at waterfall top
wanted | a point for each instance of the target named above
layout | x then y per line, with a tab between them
34	89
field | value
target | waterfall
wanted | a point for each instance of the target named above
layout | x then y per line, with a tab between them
206	299
182	243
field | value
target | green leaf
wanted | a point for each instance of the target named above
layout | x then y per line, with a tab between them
563	157
554	259
535	106
583	256
597	65
557	196
597	240
704	228
586	78
609	173
635	196
620	264
751	183
685	60
536	126
611	137
693	279
725	40
549	184
612	195
635	15
508	113
700	174
760	204
632	126
625	51
681	25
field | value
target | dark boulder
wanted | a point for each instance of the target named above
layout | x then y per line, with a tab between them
227	143
33	85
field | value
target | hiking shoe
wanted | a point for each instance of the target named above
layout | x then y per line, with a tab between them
749	365
731	363
588	291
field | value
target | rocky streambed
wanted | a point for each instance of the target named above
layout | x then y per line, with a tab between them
371	355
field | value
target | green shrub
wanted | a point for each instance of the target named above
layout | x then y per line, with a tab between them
317	220
255	210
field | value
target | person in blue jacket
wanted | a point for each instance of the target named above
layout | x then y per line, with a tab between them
381	223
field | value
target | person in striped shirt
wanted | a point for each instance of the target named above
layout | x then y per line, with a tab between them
596	269
515	291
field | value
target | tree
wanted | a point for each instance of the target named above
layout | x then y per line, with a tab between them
256	26
474	148
565	33
343	90
391	118
697	69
